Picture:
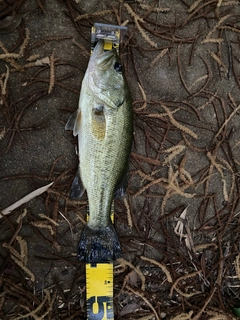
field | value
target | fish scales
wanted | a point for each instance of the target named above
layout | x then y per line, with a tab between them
103	124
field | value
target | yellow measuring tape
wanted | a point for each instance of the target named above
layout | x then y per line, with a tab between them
99	288
99	285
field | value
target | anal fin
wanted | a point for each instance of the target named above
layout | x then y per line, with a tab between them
77	189
121	186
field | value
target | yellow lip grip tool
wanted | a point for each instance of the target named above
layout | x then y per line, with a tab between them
111	34
99	276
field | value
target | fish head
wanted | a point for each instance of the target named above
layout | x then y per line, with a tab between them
106	80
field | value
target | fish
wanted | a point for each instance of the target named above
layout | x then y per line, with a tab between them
103	123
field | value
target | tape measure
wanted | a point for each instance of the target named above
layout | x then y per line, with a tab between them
99	276
99	288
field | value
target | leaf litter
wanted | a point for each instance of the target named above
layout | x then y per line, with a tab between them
179	224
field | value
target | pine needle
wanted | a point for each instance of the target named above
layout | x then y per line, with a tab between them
194	5
148	317
201	247
52	75
183	316
138	19
23	249
161	266
12	250
33	57
178	125
39	307
237	266
125	263
200	79
184	174
144	96
5	56
213	40
132	13
129	217
6	77
144	299
197	316
226	121
151	8
230	3
230	28
159	56
84	50
149	185
44	225
20	258
3	132
43	216
174	151
93	14
219	3
25	43
144	35
219	61
184	277
162	115
209	101
219	168
23	267
208	39
4	49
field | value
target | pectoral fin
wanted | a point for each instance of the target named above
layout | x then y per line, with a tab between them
77	189
74	122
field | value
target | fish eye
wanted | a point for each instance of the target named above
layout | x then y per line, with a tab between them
98	110
118	66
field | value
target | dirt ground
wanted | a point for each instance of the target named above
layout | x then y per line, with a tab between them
179	221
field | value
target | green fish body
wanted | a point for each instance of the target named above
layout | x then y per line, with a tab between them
103	123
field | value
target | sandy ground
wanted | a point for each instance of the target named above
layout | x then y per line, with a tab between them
179	221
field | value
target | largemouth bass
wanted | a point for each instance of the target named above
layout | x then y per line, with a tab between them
103	123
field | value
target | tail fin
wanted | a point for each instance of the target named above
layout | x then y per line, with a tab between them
101	245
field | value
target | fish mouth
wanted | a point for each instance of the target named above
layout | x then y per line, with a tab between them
103	59
102	76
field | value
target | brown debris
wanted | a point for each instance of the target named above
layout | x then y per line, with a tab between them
185	154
